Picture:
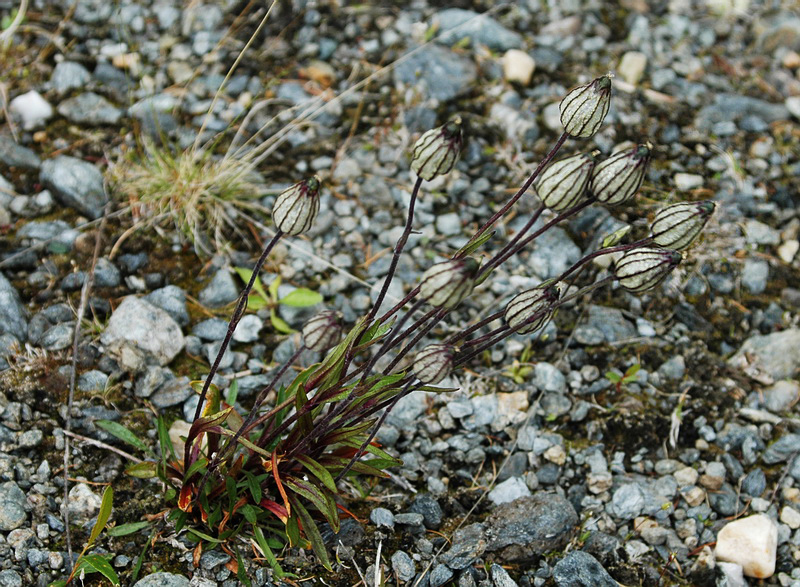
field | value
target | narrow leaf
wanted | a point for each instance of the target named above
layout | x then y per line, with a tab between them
301	298
318	471
143	470
119	431
616	236
105	513
470	247
312	533
263	546
98	563
125	529
279	323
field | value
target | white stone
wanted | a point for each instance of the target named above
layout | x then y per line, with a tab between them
734	576
750	542
687	181
686	476
788	250
793	105
32	110
790	517
518	66
83	503
631	67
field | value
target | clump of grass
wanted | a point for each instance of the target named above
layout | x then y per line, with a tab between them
194	190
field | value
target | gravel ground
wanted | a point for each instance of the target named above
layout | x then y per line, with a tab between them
539	471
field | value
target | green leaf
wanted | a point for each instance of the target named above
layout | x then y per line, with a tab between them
233	392
616	236
630	374
106	505
245	275
199	466
318	471
241	572
125	529
613	377
253	485
119	431
472	246
140	559
143	470
273	287
60	582
301	298
98	563
198	536
279	323
167	450
263	546
249	512
312	533
434	389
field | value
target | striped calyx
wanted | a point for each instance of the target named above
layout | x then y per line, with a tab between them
323	331
296	208
433	363
676	226
529	310
642	269
618	178
436	152
445	284
562	185
584	108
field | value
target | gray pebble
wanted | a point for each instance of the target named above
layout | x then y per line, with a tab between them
382	518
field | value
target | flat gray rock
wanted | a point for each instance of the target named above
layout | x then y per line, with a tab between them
12	506
162	580
75	183
769	352
438	72
15	155
142	325
581	569
456	24
89	108
13	316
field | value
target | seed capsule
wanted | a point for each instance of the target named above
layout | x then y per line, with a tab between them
323	331
436	152
618	178
676	226
584	108
563	183
434	363
446	284
642	269
296	208
528	311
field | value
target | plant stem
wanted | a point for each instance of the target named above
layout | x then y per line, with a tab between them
437	314
398	249
465	333
542	164
237	315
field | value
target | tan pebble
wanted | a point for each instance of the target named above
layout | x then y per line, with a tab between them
791	60
790	517
518	66
694	496
631	67
711	482
788	250
321	72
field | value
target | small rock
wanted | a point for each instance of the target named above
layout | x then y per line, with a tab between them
500	577
248	328
437	72
172	300
793	106
509	490
76	184
631	66
382	518
69	75
688	181
162	580
138	323
518	67
10	578
15	155
403	566
790	517
781	396
750	542
13	316
768	350
83	503
220	291
431	512
12	506
440	575
89	108
456	24
754	275
628	501
31	109
581	569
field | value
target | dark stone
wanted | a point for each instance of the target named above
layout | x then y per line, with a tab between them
581	569
528	527
431	512
469	543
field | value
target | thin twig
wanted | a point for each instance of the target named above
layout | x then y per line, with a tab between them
101	444
87	286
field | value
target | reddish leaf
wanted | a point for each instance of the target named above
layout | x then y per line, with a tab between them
277	477
275	508
185	498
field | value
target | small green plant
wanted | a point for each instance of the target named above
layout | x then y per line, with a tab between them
521	368
628	377
261	297
87	562
273	473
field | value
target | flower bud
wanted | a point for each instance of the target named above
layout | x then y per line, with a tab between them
436	152
585	107
642	269
676	226
323	331
528	311
618	178
433	363
296	208
446	284
563	183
